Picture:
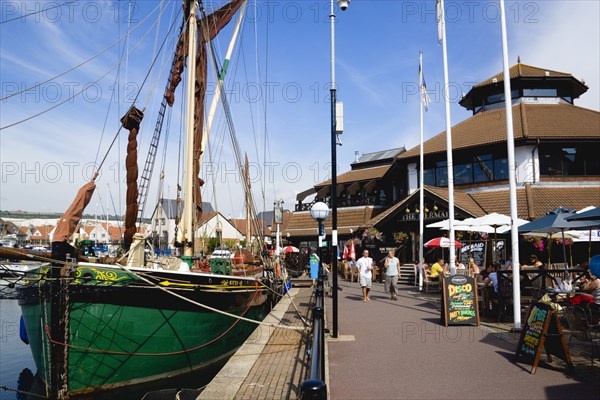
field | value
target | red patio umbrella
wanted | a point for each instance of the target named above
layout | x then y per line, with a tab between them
290	249
442	242
352	251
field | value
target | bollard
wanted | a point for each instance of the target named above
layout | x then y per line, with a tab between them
313	389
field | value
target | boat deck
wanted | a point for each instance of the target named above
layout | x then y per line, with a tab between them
273	362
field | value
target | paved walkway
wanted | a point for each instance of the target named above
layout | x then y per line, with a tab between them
401	351
273	362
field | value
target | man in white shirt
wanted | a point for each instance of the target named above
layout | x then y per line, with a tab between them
365	274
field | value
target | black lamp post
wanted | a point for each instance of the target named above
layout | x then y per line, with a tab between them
343	4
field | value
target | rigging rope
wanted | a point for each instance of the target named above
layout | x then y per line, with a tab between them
40	11
83	62
139	91
94	83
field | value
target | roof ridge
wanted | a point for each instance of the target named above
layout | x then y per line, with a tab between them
544	69
523	120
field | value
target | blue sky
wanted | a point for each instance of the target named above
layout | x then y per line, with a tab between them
278	79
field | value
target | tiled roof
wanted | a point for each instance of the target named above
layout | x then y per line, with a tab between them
534	202
462	201
498	201
362	174
523	71
240	225
44	232
302	224
532	121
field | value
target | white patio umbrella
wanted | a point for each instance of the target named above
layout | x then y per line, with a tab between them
464	225
499	223
556	235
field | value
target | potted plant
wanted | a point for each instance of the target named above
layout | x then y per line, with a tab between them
400	237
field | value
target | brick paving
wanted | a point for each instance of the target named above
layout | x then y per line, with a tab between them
282	365
580	351
272	363
401	351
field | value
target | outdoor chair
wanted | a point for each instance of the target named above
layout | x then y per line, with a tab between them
431	283
353	272
346	269
503	299
584	326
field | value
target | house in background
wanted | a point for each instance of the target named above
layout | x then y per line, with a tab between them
24	235
41	236
163	221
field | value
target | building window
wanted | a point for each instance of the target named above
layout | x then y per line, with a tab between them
497	98
429	177
463	174
559	160
501	169
481	168
542	92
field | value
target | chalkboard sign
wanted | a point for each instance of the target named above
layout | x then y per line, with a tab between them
542	330
459	301
475	249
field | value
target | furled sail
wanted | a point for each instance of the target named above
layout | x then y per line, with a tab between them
68	223
131	122
208	28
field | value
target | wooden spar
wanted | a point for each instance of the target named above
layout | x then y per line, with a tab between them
187	220
12	253
248	205
217	97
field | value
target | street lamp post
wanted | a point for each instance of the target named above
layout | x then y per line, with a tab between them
343	4
319	212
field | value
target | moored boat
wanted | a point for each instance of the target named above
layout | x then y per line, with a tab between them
100	326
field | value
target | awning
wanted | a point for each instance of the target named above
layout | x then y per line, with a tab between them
370	187
352	189
324	191
302	195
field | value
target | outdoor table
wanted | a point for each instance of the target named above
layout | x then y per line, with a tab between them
564	294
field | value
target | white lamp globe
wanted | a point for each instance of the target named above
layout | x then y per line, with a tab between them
319	211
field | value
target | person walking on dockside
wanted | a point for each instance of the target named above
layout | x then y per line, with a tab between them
365	273
391	274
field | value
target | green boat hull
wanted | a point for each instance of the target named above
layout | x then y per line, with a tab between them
120	335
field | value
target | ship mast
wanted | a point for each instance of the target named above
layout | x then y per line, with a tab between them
187	221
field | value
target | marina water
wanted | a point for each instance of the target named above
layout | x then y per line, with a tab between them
15	355
16	365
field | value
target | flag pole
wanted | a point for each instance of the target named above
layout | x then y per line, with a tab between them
422	102
442	39
514	232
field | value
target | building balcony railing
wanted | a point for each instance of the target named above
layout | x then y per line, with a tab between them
368	201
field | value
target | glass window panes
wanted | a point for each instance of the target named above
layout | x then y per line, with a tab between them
542	92
501	169
483	168
463	174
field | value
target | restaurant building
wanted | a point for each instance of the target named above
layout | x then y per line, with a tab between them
556	156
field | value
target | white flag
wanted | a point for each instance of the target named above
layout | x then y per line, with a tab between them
422	85
440	20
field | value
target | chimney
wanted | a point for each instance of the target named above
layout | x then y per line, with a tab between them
355	155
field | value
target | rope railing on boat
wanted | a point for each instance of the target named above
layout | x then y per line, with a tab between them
171	353
207	307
